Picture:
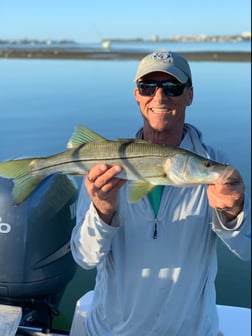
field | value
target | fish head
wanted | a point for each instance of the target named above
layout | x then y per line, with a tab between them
185	169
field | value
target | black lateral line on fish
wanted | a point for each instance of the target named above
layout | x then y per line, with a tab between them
41	169
65	163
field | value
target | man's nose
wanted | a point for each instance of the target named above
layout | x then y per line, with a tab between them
159	93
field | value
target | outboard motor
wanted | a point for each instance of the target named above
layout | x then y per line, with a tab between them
35	258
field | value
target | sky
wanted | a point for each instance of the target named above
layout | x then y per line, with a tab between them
95	20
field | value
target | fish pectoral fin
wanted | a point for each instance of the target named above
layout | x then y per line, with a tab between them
138	189
83	135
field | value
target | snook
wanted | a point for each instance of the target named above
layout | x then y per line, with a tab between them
144	163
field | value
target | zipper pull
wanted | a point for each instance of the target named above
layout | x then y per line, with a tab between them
155	230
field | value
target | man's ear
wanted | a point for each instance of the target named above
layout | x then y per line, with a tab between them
136	94
189	96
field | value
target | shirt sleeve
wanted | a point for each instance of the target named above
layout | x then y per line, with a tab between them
237	233
91	237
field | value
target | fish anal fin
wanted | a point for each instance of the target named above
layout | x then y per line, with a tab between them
138	189
24	181
23	186
83	135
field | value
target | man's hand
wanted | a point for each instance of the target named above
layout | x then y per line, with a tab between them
228	195
102	187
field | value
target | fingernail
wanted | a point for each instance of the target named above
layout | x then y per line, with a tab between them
118	169
103	167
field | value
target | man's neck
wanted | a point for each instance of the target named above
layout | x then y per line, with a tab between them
170	137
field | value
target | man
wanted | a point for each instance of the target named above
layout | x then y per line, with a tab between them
156	258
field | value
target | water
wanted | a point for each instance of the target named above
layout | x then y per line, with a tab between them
42	100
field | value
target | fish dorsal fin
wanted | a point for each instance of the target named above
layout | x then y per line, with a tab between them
83	135
138	189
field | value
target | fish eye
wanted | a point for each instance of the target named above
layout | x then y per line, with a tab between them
207	164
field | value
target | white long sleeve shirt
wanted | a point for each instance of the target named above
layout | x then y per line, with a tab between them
163	286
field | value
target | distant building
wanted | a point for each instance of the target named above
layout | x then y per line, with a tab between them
246	35
155	38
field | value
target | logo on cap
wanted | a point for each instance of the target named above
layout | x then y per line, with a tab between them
163	56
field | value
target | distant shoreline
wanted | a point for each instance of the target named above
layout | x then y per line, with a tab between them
107	54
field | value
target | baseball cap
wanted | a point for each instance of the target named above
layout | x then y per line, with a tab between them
165	61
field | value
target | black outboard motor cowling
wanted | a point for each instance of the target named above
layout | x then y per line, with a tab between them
35	258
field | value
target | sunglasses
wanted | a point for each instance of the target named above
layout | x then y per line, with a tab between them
148	88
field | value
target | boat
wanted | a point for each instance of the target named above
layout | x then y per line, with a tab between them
106	44
34	275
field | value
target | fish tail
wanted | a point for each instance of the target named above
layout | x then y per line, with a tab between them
24	181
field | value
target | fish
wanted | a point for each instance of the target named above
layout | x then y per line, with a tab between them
145	165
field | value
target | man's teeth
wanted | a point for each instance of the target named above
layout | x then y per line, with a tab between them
160	110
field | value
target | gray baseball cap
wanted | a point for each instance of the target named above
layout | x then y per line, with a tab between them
165	61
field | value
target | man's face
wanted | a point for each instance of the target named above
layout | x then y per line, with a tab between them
161	111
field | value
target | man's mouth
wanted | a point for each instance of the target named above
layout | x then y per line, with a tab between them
161	110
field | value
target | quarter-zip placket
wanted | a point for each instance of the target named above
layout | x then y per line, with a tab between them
155	232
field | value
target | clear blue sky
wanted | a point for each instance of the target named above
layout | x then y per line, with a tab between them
94	20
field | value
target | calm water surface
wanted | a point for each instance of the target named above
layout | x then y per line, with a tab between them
41	101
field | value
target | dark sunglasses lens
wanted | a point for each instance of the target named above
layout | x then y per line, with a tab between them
173	90
146	89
